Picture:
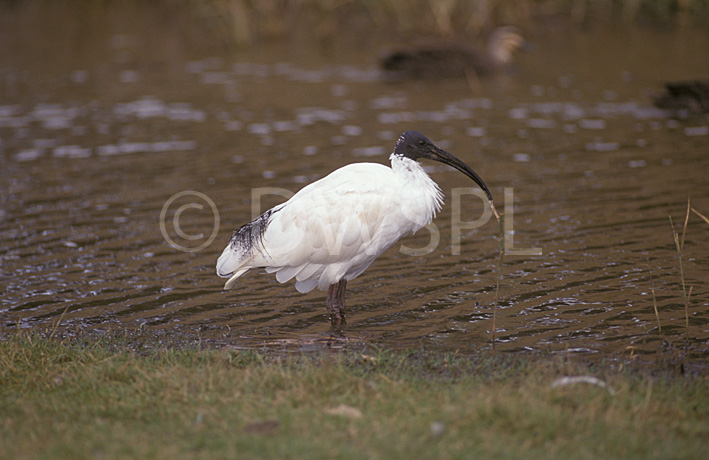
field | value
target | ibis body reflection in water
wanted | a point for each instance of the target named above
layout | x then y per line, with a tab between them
332	230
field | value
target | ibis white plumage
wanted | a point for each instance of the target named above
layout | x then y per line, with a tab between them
333	229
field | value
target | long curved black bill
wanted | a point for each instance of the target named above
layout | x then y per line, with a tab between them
445	157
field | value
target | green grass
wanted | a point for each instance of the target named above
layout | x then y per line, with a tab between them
111	398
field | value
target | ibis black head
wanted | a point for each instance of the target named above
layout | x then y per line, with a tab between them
414	145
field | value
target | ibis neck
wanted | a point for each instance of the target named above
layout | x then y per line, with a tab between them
409	169
418	184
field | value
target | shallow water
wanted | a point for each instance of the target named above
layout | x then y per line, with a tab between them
101	128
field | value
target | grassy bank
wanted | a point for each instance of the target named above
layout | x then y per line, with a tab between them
104	398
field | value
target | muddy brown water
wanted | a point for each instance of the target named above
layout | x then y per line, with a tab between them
102	129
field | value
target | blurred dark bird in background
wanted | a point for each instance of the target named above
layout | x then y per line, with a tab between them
690	97
447	59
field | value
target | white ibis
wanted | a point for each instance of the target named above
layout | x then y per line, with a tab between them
332	230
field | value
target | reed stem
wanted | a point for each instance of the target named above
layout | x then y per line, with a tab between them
679	245
657	314
501	251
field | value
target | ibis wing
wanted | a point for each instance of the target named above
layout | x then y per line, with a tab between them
333	228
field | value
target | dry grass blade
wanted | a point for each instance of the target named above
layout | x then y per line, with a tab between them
674	233
686	219
679	244
58	322
654	299
702	216
686	311
657	314
345	411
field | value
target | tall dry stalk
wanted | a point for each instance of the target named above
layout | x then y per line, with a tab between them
58	322
501	251
679	245
654	300
657	315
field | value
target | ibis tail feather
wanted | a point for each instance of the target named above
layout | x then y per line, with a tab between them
232	279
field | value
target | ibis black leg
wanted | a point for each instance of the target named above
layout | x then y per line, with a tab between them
341	286
335	303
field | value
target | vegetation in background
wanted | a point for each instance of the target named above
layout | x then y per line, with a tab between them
244	20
